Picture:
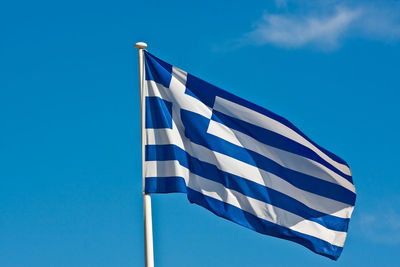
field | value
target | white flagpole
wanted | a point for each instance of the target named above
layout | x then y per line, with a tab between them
148	228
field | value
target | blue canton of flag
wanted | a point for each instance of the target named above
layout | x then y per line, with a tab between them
242	162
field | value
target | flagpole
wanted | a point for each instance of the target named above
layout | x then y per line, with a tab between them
148	228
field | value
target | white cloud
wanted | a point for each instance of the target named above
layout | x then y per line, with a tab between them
326	26
294	31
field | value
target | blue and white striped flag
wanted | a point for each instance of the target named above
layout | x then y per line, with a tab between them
242	162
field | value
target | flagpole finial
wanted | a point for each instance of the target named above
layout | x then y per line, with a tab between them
140	45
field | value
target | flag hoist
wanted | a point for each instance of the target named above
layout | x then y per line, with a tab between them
148	225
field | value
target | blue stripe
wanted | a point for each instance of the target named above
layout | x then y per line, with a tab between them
244	186
158	113
250	221
165	185
196	130
275	140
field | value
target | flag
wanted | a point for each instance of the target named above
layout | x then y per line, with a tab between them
242	162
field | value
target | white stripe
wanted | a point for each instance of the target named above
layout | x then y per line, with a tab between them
243	113
286	159
258	208
246	171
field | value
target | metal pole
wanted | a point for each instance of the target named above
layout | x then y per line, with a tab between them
148	228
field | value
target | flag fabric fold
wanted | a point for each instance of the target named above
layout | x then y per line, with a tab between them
242	162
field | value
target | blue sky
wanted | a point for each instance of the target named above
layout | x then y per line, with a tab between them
70	186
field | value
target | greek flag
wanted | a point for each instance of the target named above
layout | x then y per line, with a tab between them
242	162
